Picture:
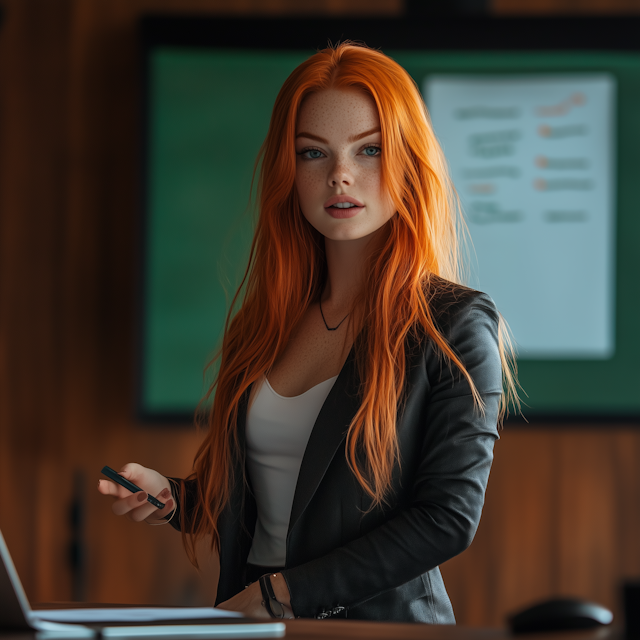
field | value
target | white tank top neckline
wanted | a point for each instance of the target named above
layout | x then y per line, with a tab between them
304	393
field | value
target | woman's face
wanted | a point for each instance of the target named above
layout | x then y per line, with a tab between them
338	166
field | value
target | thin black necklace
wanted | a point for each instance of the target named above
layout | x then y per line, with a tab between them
325	322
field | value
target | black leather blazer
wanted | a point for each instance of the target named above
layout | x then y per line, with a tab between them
345	560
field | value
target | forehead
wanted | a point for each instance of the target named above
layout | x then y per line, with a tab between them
337	112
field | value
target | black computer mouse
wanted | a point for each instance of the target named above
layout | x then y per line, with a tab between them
559	614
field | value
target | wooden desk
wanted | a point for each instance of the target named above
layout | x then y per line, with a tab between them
356	630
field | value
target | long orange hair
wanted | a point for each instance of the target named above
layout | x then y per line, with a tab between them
286	274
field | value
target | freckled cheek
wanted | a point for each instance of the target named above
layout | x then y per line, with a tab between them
371	181
309	185
371	184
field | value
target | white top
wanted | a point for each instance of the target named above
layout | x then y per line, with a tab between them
278	429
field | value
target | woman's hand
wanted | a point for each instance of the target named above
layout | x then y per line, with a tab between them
135	505
249	601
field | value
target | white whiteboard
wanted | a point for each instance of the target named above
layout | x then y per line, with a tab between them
532	158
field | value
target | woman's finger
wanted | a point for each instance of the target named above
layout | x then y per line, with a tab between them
144	509
108	488
155	517
132	501
142	512
132	471
169	505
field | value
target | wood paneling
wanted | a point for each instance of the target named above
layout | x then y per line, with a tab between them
563	507
562	517
32	172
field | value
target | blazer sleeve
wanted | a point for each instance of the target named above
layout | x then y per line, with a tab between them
441	519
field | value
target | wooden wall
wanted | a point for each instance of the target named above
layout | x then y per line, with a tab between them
563	507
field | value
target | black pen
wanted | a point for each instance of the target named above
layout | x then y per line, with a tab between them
127	484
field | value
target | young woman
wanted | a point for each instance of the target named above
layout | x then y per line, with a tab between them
360	387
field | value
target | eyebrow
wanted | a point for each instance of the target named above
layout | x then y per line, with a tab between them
354	138
304	134
364	134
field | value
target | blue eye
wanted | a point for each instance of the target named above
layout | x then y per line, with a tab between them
372	152
311	154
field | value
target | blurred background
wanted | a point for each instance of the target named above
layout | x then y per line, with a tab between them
562	515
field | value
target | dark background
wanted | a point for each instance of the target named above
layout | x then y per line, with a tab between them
563	505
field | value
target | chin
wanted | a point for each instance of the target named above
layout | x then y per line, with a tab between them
345	235
347	229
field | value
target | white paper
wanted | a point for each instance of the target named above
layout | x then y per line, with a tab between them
532	158
133	614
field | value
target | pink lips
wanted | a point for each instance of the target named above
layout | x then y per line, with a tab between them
349	212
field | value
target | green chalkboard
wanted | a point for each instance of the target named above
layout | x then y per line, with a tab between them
209	113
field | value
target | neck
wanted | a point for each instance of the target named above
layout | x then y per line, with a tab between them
345	270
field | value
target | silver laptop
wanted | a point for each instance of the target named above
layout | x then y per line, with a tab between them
15	612
124	624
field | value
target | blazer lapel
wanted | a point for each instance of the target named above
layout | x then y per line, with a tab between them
329	430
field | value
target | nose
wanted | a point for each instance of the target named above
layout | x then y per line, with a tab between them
340	173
